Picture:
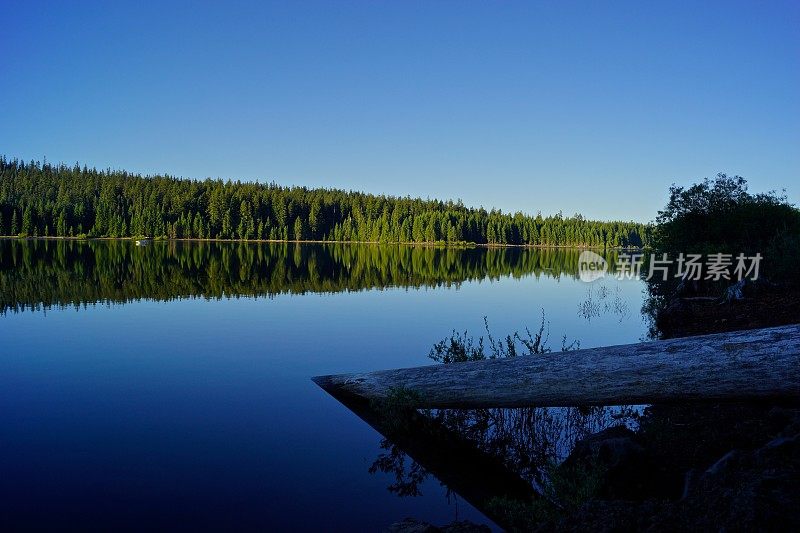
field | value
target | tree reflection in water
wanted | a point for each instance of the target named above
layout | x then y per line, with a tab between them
41	274
529	441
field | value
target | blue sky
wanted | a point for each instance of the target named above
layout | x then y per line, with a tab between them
591	107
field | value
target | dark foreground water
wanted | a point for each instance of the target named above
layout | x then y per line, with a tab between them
169	385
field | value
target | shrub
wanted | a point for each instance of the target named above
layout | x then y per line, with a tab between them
720	215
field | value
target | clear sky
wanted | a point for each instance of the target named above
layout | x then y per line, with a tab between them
591	107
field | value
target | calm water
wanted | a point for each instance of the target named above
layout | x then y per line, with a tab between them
170	384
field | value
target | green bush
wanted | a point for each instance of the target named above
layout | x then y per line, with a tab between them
721	216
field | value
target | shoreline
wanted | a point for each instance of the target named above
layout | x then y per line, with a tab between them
281	241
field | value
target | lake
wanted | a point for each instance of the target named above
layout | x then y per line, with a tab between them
170	385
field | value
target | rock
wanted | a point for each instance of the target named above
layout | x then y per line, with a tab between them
750	482
734	292
612	445
749	490
627	471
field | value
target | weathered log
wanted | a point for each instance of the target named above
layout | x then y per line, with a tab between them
743	365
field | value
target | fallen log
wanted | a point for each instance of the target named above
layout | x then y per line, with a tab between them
743	365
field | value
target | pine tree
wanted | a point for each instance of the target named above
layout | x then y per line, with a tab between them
315	219
227	226
299	233
27	221
61	225
246	224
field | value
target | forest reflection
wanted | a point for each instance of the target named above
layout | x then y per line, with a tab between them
529	440
41	274
489	457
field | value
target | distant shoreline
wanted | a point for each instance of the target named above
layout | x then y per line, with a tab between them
281	241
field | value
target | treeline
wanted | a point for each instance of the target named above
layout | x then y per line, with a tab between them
40	199
40	274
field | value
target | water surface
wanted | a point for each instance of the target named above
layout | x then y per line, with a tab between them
170	384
